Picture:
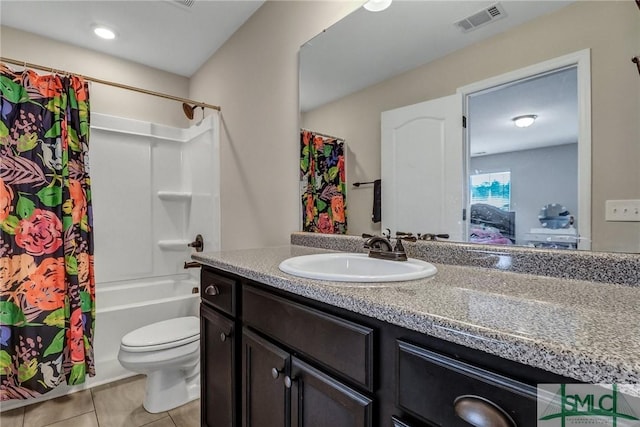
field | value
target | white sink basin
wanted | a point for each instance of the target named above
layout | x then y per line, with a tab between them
356	267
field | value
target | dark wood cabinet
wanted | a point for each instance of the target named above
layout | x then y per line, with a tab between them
265	399
217	369
279	390
399	423
318	400
446	392
270	358
341	346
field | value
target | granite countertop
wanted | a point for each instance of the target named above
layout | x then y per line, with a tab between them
584	330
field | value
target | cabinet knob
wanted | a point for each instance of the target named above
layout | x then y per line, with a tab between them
212	290
224	336
275	373
288	381
481	412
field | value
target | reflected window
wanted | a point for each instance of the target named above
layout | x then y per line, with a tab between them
491	189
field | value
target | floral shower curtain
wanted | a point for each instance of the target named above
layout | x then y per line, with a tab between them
47	294
322	174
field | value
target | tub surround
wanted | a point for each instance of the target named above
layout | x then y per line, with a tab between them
580	329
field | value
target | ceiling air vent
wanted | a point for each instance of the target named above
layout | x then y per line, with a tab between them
485	16
183	4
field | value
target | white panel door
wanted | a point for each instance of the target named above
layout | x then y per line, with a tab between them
422	168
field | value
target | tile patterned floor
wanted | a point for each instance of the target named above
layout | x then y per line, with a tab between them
117	404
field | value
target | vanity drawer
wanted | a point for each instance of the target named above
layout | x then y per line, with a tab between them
441	390
341	346
218	291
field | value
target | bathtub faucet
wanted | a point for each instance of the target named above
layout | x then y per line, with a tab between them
192	264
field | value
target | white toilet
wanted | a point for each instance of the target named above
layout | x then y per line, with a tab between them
168	352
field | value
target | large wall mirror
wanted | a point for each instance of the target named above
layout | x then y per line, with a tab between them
418	51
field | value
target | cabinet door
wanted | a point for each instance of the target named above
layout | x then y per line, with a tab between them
217	369
265	398
447	392
317	400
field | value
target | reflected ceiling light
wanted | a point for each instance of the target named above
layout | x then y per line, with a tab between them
104	32
377	5
524	121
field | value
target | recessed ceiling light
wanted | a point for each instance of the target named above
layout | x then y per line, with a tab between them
104	32
377	5
524	121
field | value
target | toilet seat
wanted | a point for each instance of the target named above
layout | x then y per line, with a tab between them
162	335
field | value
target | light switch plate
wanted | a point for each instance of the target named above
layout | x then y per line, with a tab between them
622	210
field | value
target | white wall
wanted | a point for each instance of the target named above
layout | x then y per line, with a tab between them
538	177
29	47
254	78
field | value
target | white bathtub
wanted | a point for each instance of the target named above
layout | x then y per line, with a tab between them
120	308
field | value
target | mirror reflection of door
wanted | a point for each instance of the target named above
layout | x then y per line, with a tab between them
421	163
516	169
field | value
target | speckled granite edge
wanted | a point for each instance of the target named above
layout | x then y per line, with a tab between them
592	367
604	267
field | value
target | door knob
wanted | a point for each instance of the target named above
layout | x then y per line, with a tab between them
224	336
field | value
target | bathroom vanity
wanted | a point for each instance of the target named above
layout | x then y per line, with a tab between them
468	344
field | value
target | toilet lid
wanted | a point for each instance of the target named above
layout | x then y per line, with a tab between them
176	331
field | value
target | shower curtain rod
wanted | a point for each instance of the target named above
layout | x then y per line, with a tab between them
323	134
109	83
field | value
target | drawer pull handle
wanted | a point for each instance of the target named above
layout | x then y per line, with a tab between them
480	412
224	336
288	381
212	290
275	373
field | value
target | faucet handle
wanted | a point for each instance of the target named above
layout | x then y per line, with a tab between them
409	237
431	236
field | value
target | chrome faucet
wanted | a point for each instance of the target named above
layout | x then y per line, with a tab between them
381	247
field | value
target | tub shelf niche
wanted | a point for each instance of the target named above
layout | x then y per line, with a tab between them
180	196
173	245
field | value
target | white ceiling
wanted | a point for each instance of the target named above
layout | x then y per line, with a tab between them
552	97
163	34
